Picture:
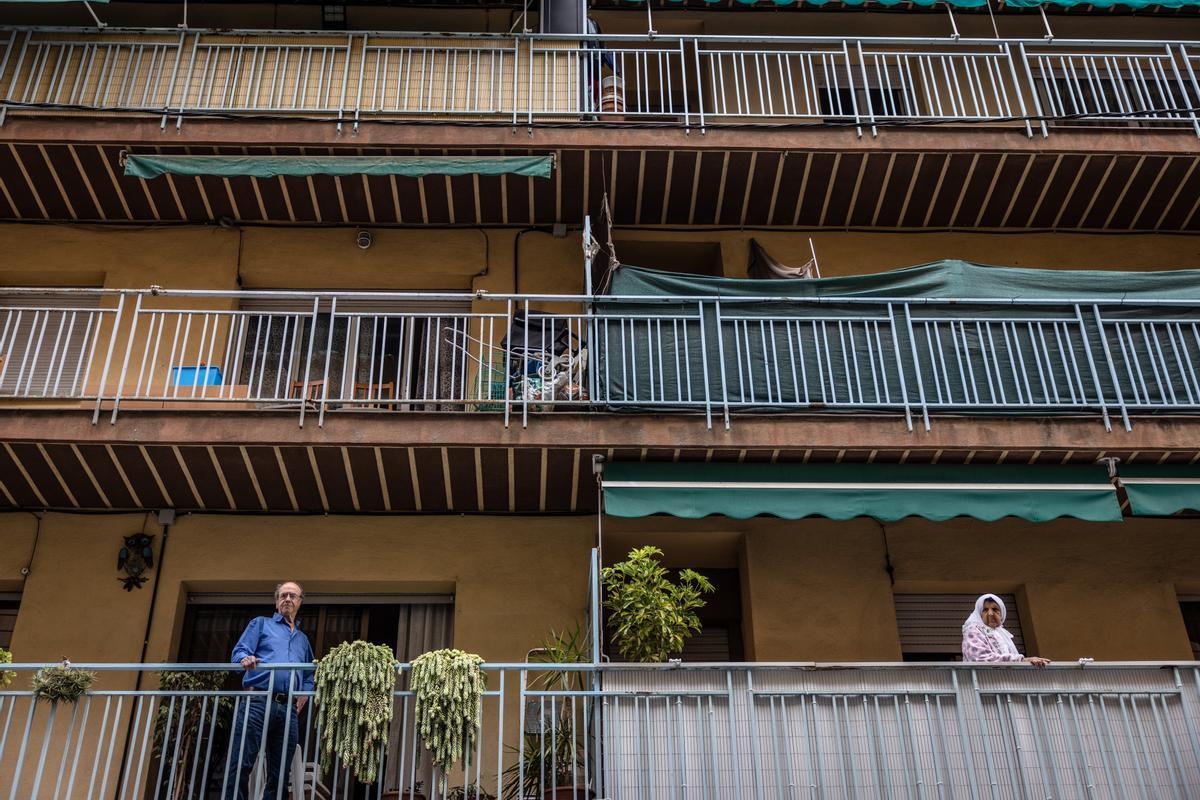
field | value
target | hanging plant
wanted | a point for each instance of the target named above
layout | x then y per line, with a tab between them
355	684
6	675
62	683
449	686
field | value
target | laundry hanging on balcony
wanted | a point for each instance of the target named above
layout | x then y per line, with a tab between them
949	337
152	166
1160	491
885	492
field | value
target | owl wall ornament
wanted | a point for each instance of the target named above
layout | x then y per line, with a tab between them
135	558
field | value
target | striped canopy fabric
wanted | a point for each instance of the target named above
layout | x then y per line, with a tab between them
886	492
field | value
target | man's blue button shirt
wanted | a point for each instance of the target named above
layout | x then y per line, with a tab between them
273	641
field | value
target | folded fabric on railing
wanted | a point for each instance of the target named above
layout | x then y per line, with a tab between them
1161	491
843	491
152	166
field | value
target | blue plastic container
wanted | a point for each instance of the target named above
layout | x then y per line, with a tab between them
196	376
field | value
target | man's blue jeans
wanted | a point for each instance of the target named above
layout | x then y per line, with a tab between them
247	738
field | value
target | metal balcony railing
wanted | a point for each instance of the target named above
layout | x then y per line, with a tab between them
767	731
515	354
677	81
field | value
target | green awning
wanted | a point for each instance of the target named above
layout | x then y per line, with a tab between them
972	3
887	492
151	166
1161	491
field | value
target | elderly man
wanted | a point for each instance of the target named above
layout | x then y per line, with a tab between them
274	716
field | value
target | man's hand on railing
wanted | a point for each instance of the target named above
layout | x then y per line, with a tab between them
300	703
249	662
1038	662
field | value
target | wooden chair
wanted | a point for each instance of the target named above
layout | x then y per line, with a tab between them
374	391
307	391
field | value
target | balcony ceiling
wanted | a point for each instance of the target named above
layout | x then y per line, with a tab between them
259	462
854	184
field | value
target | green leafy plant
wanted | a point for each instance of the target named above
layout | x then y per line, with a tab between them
652	616
180	723
469	792
355	685
62	683
552	758
551	751
449	686
6	675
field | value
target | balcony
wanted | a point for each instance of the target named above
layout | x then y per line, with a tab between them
683	82
1103	730
505	356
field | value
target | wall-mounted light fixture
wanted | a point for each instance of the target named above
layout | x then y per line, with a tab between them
135	558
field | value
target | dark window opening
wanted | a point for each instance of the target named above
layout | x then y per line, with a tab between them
1190	608
9	604
694	258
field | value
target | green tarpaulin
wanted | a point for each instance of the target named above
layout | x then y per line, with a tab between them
759	351
1161	491
151	166
974	3
951	279
843	491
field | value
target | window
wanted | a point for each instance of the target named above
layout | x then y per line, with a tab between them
47	344
884	102
401	351
931	624
694	258
333	17
1188	606
410	624
9	603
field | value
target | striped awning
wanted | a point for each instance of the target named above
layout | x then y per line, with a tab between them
885	492
1161	491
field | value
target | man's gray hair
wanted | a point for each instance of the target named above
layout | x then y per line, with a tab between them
285	583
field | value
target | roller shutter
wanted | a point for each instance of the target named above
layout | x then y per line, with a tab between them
48	344
931	624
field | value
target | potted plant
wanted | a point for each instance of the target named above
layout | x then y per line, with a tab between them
355	685
551	749
469	792
6	675
449	686
652	616
178	726
62	683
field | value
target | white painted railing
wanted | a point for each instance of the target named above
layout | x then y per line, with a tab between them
675	81
1086	730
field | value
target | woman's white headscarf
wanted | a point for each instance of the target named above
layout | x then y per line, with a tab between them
1002	638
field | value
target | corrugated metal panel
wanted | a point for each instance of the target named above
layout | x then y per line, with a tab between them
1009	732
46	343
711	644
932	623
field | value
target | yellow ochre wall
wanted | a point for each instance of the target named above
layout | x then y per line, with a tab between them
500	260
813	590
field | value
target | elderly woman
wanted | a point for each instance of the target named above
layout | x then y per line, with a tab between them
984	637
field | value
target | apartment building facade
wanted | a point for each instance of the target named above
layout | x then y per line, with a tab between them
863	310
